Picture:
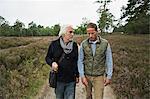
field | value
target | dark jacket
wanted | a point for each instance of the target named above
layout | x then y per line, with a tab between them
67	68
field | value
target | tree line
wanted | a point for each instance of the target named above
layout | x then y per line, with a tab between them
136	15
18	29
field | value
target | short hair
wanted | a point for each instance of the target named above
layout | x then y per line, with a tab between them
92	25
63	30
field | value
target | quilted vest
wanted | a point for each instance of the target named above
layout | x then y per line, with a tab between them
95	65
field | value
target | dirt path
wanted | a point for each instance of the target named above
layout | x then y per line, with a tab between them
48	93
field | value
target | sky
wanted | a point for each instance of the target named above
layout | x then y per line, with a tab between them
51	12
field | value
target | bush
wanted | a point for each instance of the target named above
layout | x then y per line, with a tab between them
131	62
23	70
14	42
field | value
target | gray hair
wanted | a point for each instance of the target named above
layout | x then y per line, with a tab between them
63	30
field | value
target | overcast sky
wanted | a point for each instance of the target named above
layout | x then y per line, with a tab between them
51	12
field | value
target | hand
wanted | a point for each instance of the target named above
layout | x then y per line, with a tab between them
77	80
107	81
54	66
84	81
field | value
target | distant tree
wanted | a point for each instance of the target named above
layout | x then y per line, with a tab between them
40	26
106	19
81	29
24	32
18	27
48	31
137	15
56	29
32	29
39	30
2	20
5	29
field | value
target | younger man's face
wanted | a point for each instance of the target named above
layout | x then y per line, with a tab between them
92	33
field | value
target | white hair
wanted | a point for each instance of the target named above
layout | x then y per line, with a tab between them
63	29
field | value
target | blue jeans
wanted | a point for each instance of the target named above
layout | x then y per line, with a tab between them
65	90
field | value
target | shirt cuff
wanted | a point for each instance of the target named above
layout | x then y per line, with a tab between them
108	77
82	75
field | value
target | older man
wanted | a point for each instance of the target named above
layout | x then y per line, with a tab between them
67	68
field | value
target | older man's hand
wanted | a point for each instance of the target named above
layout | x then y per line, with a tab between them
54	66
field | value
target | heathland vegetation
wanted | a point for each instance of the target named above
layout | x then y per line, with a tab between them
23	69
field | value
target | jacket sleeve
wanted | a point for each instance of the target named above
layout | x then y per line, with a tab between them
80	61
109	62
49	57
76	69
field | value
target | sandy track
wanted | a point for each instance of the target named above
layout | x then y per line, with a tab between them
48	93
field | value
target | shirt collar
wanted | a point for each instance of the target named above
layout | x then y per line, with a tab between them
95	42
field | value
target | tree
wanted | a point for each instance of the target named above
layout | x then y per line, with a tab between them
2	20
106	19
32	29
82	28
56	29
5	29
39	30
137	16
18	27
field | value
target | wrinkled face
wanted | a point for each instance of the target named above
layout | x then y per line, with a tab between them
92	33
69	33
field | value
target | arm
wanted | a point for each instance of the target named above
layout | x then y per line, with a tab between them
76	59
49	56
109	62
109	65
80	61
81	66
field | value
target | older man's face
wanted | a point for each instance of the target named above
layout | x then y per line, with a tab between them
92	33
69	34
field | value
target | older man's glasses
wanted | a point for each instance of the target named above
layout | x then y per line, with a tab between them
70	31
